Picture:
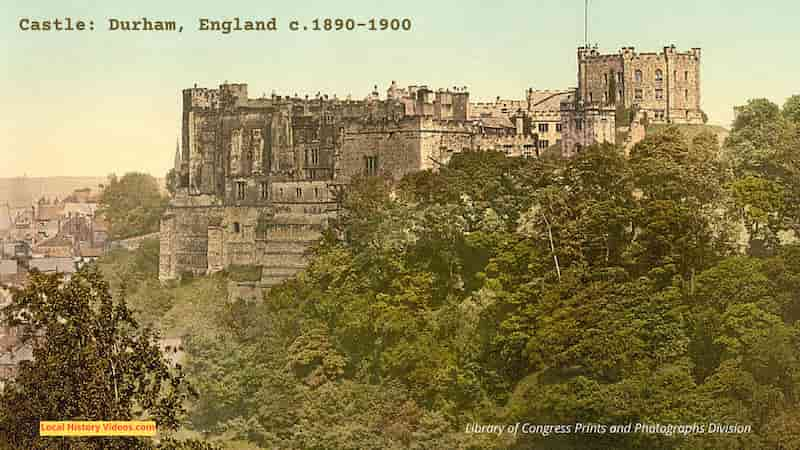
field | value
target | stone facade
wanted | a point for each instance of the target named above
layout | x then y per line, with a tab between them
665	86
542	108
653	87
585	124
258	177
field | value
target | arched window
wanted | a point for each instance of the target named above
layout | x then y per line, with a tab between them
659	75
638	76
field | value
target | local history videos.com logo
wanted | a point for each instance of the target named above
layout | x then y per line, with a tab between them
97	428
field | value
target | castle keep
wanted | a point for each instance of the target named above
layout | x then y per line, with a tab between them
654	87
258	176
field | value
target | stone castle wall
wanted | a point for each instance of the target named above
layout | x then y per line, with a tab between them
665	85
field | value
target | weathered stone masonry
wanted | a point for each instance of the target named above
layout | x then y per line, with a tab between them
257	177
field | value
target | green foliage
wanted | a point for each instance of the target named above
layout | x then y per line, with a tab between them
132	205
600	289
791	109
172	181
244	273
624	116
92	361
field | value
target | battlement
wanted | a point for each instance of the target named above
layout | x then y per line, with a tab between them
592	54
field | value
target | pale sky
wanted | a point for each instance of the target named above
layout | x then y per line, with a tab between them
92	103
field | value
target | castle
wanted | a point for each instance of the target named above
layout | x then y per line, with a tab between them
258	177
655	87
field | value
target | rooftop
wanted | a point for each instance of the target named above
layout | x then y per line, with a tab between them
8	267
49	265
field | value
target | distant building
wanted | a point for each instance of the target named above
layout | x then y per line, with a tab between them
48	220
64	266
9	361
8	271
56	247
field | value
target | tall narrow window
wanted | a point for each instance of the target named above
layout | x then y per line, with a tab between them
686	95
241	190
544	127
638	76
686	76
237	228
605	78
299	192
264	191
558	127
659	75
371	165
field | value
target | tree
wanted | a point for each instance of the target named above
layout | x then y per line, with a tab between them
791	109
91	361
133	205
172	181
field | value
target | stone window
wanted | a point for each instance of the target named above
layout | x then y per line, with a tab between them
686	76
315	157
264	190
605	78
638	94
299	192
578	124
659	94
659	75
237	227
620	95
371	163
559	127
638	76
605	97
527	150
544	127
241	190
544	143
591	98
316	192
686	94
619	77
659	115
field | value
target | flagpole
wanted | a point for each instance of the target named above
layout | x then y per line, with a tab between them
586	23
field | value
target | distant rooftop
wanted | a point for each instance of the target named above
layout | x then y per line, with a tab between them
49	265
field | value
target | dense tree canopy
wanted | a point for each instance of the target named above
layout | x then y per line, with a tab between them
662	288
132	205
92	361
598	290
